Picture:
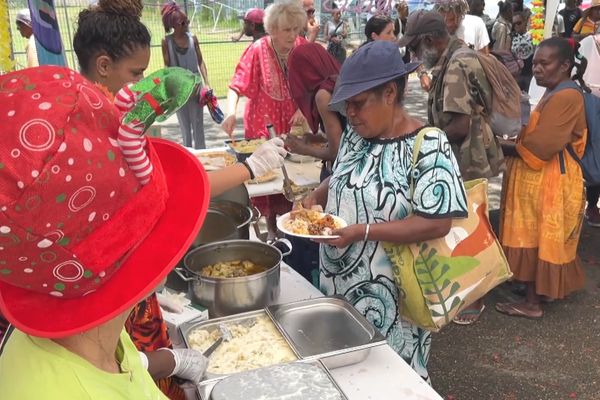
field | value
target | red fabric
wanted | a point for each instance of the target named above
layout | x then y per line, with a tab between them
81	239
153	103
311	68
273	205
259	77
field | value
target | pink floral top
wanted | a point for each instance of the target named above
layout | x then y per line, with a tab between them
260	78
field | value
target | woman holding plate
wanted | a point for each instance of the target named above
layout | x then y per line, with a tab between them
370	190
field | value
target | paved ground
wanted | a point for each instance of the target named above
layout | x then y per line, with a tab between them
504	358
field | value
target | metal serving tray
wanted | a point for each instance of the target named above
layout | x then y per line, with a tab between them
326	328
210	325
240	156
204	389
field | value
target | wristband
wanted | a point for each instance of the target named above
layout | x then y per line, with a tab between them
143	359
245	164
367	229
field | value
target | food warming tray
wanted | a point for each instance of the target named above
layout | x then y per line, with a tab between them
205	388
241	156
245	319
326	328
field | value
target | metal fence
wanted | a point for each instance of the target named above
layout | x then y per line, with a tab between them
213	22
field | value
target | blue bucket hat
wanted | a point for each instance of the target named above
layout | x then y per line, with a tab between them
372	65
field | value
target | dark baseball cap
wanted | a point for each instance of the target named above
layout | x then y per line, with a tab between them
371	65
419	23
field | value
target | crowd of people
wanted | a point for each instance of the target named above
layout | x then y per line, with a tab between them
108	339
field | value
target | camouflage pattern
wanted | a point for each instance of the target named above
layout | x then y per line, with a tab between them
460	86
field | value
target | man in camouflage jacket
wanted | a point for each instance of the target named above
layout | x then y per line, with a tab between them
459	96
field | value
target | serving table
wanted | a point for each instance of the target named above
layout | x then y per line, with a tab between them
302	174
383	375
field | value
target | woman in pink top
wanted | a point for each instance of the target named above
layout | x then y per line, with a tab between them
261	75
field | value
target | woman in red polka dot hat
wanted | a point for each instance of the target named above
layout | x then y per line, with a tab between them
111	63
85	233
93	215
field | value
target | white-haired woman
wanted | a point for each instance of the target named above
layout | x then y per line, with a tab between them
261	76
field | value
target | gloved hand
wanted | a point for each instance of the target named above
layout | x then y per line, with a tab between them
189	364
267	157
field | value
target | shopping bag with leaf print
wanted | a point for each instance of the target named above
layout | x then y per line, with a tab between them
438	278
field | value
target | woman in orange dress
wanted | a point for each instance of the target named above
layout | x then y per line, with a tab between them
543	194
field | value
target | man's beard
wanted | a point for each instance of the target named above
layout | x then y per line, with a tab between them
430	57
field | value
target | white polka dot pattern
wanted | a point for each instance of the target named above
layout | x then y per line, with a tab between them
61	168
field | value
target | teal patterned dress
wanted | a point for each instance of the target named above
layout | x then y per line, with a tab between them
370	184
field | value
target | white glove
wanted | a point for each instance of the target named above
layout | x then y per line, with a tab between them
189	364
267	157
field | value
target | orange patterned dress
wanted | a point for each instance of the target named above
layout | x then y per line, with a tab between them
543	197
148	332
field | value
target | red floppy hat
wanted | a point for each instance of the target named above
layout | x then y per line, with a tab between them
82	239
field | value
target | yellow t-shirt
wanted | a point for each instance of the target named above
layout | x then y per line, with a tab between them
32	368
585	26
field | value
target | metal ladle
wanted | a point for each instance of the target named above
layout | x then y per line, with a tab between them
288	190
225	336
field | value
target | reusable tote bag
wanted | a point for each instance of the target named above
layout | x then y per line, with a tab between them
438	278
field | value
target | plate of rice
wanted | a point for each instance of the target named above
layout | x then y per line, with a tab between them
310	224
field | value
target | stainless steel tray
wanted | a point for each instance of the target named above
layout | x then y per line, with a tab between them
239	155
213	324
204	389
326	328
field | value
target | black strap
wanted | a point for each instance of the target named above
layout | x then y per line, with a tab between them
572	153
338	27
245	164
7	334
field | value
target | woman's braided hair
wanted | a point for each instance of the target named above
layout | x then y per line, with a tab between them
112	27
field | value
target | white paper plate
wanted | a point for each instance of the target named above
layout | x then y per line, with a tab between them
285	217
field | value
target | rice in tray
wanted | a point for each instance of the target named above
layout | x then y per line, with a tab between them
253	345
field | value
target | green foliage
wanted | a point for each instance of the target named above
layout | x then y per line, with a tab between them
435	276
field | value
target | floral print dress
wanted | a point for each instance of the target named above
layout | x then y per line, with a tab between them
371	184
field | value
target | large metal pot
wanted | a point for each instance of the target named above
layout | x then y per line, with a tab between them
241	215
234	295
225	220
